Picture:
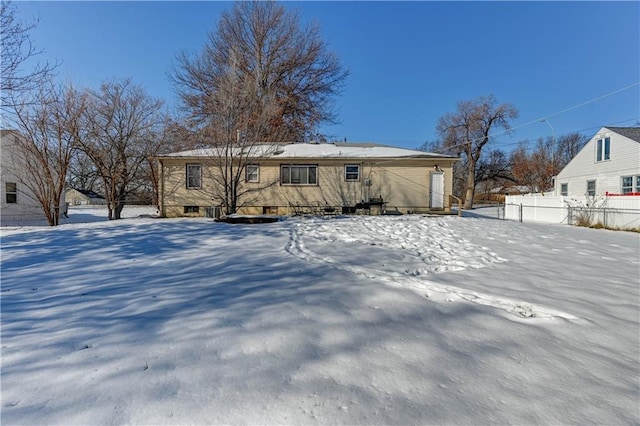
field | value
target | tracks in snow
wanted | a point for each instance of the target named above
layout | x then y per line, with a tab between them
424	247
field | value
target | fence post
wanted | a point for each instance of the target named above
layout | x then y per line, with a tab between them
569	215
520	213
459	200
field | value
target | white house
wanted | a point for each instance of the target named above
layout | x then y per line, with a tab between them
609	164
18	204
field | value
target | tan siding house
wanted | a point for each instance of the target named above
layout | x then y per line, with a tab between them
295	178
82	197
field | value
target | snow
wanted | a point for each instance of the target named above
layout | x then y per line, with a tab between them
342	320
318	150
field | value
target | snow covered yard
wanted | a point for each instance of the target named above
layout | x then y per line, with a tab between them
356	320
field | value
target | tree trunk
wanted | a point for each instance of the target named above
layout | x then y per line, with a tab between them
118	210
56	215
471	185
49	216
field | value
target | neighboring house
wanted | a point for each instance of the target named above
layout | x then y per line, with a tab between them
499	193
609	164
80	197
18	204
291	178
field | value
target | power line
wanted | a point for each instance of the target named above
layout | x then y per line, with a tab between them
526	141
574	107
537	120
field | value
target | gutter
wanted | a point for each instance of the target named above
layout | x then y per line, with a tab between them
163	212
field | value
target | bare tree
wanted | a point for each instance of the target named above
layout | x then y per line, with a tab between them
17	49
122	131
169	137
282	64
237	121
494	170
536	168
83	173
468	130
459	167
49	129
261	79
568	146
524	170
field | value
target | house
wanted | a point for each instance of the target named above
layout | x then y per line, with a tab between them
500	192
305	177
80	197
600	186
18	205
609	164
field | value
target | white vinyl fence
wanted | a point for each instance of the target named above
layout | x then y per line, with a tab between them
610	211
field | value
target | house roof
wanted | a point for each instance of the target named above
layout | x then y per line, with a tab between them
317	150
632	133
88	193
514	188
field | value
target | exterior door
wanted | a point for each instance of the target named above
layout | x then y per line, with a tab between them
436	190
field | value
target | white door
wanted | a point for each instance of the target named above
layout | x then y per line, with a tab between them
436	190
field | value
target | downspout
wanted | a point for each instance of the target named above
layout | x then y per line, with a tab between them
366	184
371	166
163	210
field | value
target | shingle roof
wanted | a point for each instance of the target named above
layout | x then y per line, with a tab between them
89	193
629	132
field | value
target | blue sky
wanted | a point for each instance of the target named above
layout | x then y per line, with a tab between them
409	62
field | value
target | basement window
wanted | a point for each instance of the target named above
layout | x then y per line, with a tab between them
191	209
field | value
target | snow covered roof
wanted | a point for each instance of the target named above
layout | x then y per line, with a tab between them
515	188
88	193
317	150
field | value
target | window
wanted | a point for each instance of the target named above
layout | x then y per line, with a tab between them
352	172
253	173
298	175
628	184
603	149
591	188
564	189
194	176
11	192
191	209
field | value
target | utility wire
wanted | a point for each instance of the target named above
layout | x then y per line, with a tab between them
573	107
537	120
526	141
